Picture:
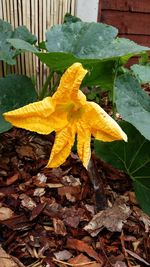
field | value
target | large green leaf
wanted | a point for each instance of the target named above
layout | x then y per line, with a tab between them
23	33
93	44
142	190
22	45
133	103
82	39
15	91
100	73
133	158
7	53
90	40
142	73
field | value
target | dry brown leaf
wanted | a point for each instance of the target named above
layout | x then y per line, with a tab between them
7	261
134	255
143	217
72	193
83	247
111	218
82	259
27	202
12	179
25	151
120	264
59	227
5	213
63	255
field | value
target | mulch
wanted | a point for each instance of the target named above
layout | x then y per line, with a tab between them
60	217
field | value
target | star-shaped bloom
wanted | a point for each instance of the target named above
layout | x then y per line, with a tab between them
68	113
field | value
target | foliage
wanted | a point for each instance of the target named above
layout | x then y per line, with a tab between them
133	103
142	73
7	52
15	91
132	157
104	55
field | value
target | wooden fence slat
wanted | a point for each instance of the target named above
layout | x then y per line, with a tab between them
127	22
127	5
1	10
37	16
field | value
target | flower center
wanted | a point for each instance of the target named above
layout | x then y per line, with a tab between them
74	111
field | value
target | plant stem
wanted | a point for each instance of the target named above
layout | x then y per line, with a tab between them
114	91
7	69
98	185
45	86
55	85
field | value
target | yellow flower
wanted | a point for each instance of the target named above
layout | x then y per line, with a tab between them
68	114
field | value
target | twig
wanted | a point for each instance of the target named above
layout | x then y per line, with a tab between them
35	264
73	264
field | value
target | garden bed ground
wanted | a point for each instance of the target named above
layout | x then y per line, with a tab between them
47	216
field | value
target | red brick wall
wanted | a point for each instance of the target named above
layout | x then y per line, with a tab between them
131	17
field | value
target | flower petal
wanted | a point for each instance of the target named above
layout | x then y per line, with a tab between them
83	145
64	141
70	83
39	117
102	126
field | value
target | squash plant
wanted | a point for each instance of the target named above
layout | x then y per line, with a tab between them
104	55
15	90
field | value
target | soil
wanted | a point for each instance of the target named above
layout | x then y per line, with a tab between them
60	217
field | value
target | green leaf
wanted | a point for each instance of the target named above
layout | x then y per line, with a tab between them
133	158
22	45
68	18
23	33
15	91
7	53
93	44
142	190
90	40
142	73
133	103
82	39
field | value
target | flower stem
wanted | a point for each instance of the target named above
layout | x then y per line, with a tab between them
45	86
98	185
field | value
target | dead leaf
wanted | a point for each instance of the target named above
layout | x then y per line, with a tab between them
63	255
38	192
83	247
12	179
70	180
111	218
25	151
70	192
59	227
27	202
143	217
81	260
7	261
5	213
134	255
120	264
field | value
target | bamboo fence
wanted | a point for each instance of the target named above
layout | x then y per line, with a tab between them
37	16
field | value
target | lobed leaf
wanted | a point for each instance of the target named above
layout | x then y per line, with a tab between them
133	103
7	53
133	158
15	91
142	73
